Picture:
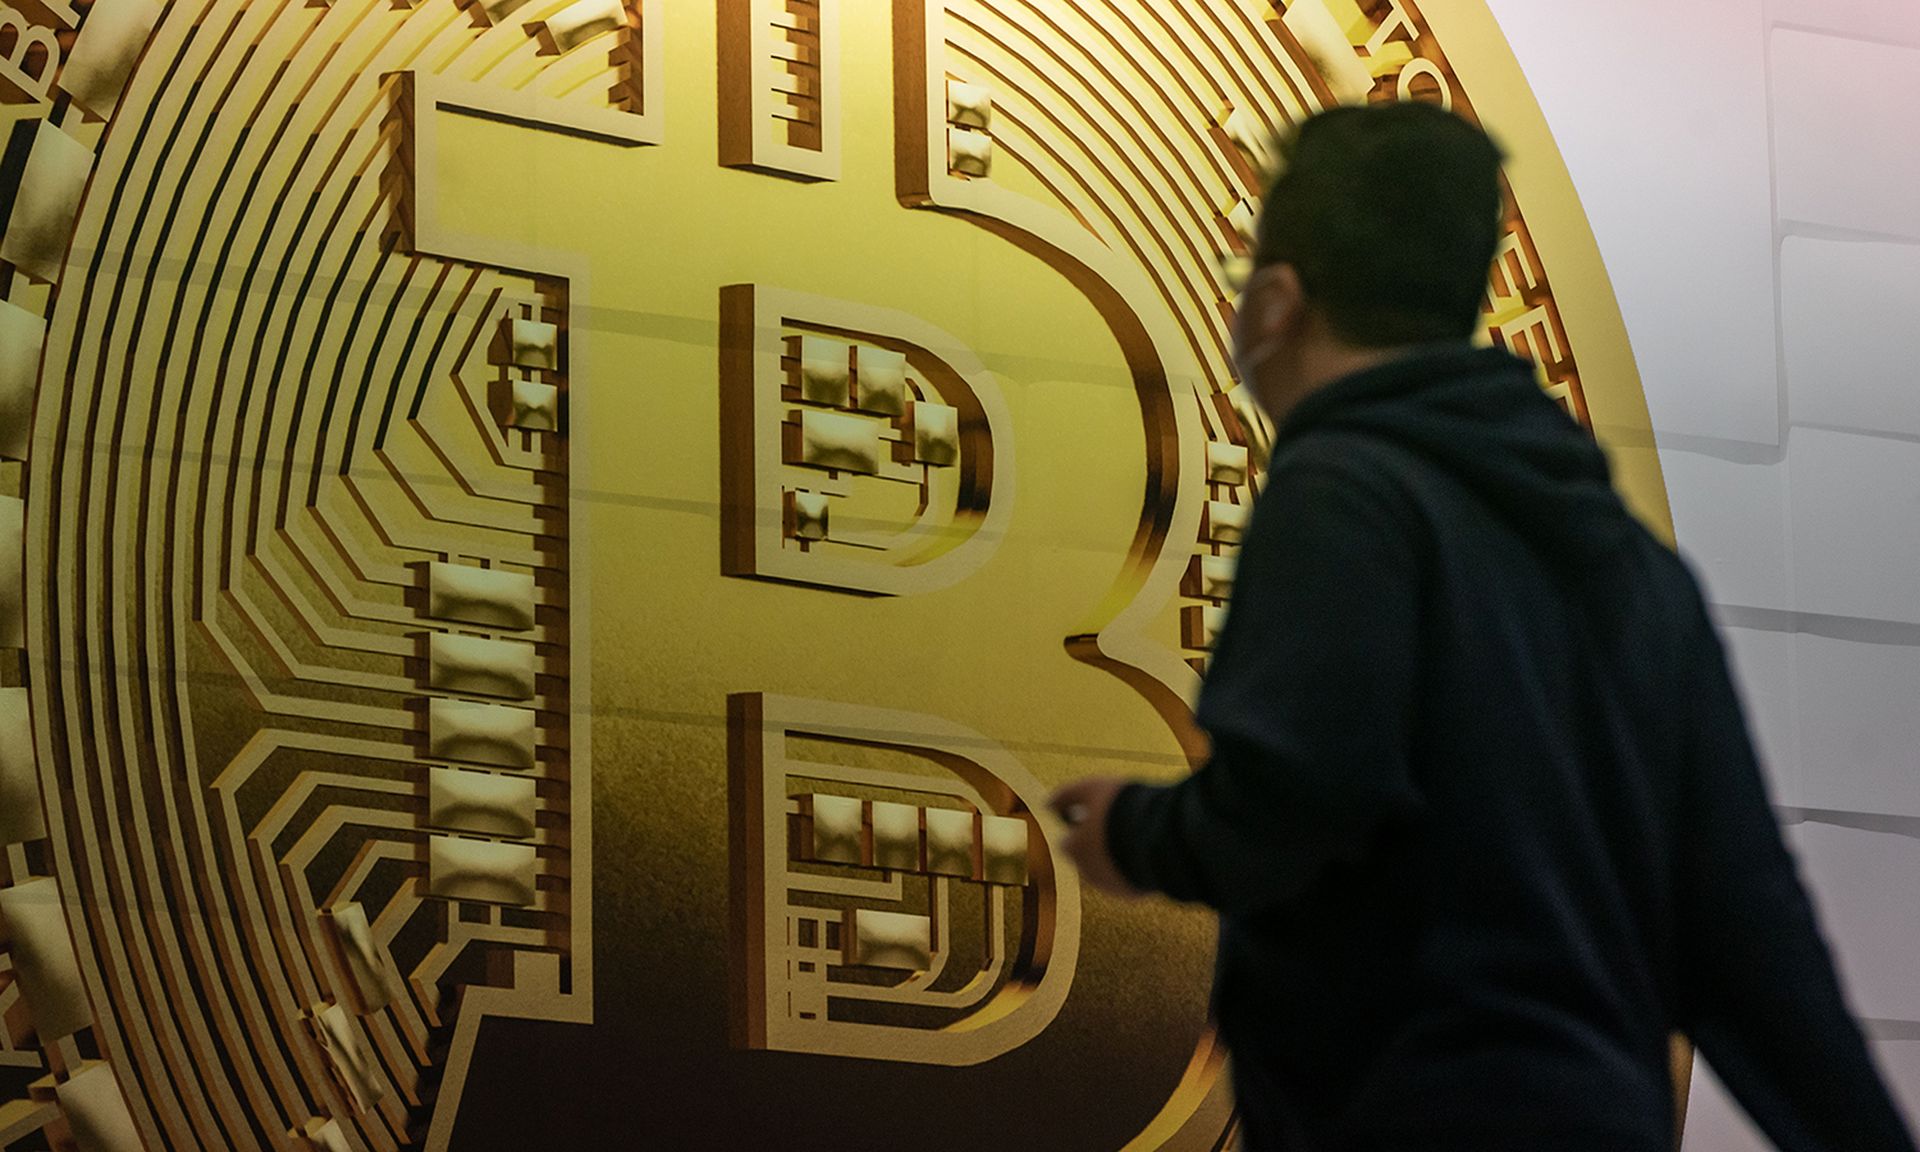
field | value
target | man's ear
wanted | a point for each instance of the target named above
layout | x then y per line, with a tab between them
1279	303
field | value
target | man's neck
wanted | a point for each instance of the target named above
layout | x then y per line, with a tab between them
1321	365
1338	361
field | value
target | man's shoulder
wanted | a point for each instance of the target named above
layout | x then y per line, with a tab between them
1374	467
1341	447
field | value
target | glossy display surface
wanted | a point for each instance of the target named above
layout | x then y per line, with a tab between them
557	549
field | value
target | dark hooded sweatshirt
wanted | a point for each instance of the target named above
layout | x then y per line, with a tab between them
1482	818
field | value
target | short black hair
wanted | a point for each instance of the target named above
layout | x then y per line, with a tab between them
1391	214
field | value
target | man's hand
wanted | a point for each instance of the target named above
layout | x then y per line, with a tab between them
1083	806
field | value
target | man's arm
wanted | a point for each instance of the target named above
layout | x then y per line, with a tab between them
1758	989
1307	702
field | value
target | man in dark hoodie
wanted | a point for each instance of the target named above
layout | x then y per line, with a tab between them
1482	819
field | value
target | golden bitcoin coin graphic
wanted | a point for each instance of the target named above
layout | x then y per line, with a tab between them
554	550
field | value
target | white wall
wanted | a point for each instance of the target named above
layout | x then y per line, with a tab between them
1752	171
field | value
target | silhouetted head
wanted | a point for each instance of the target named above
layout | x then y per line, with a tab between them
1376	235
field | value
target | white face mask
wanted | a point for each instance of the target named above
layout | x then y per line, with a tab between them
1248	360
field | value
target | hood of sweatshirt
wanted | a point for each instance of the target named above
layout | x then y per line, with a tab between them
1478	415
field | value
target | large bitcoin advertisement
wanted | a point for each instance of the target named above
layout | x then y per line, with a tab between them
553	549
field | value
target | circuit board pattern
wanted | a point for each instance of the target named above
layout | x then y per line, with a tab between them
303	654
866	451
897	914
